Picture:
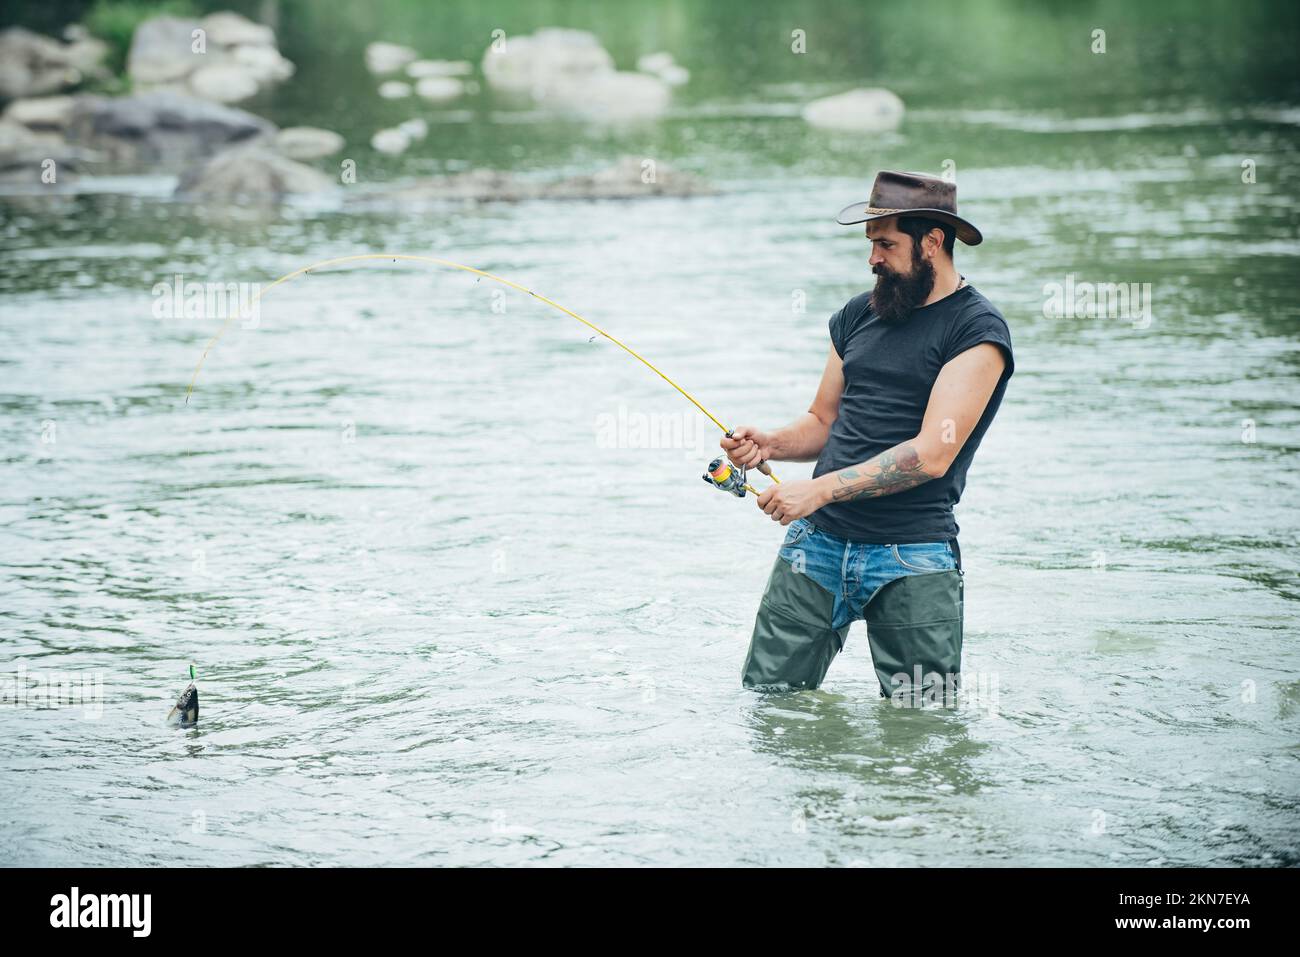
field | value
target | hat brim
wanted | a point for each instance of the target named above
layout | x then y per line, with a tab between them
865	213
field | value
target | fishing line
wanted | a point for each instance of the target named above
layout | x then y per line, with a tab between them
394	257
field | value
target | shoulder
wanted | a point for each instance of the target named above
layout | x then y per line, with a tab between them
976	320
977	309
847	318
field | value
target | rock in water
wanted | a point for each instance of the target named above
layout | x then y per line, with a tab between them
307	142
391	141
223	83
185	712
384	58
866	111
160	127
419	69
394	89
251	171
44	113
224	57
569	71
162	51
439	89
34	65
230	29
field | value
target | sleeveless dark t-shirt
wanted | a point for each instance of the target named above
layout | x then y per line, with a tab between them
889	369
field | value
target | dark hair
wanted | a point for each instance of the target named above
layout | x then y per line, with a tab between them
918	226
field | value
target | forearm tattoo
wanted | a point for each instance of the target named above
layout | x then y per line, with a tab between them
894	470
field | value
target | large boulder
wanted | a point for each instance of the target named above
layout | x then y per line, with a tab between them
162	51
161	128
34	65
223	57
251	171
870	110
531	65
570	72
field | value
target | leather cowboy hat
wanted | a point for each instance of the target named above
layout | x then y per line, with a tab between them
914	194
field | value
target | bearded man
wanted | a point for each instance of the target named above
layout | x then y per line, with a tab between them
916	372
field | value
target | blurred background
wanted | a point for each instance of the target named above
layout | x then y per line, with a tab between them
455	591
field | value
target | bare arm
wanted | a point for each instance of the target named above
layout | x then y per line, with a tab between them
802	440
957	400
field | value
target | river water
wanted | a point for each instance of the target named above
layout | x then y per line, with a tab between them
456	592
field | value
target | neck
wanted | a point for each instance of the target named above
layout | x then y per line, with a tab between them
946	282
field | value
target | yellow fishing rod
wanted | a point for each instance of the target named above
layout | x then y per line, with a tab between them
720	474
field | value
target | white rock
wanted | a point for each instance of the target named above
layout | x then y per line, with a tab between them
222	83
675	75
390	141
36	65
394	89
611	96
866	110
307	143
421	68
161	51
388	57
439	89
264	64
655	62
230	29
251	171
41	112
416	129
532	65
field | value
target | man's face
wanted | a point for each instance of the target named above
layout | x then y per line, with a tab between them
891	250
904	272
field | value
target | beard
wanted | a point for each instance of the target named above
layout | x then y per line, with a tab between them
896	296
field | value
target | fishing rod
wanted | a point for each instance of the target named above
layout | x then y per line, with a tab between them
721	473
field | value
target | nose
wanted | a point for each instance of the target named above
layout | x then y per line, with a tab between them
876	259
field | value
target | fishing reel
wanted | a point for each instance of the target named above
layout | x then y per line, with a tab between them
724	476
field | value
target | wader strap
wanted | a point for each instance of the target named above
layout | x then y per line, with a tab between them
956	551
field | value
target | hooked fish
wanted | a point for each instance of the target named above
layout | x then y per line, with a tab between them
185	712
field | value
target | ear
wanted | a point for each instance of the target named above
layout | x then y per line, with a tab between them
932	242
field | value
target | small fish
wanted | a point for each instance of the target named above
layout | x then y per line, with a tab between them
185	713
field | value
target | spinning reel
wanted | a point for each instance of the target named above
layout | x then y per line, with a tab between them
724	476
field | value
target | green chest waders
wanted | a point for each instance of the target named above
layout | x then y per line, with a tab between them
914	628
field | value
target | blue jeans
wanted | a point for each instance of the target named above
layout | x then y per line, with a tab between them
854	571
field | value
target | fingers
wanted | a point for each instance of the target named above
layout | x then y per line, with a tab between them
745	453
740	446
